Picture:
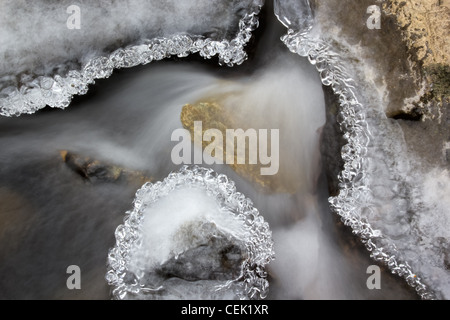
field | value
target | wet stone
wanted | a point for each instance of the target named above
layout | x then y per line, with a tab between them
218	258
213	258
97	171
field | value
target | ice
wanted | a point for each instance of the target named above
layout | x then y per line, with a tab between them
164	220
428	246
294	14
46	63
377	182
174	242
391	199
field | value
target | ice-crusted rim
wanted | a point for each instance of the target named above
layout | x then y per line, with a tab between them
352	180
259	246
58	91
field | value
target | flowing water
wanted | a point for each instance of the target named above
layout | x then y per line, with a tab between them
52	218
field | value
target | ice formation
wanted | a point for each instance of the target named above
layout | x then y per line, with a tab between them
161	246
51	65
393	209
401	223
296	15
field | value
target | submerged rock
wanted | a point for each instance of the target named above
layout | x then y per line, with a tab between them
217	256
214	116
200	270
266	126
213	258
97	171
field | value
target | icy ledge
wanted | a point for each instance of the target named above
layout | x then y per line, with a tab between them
58	91
350	203
353	199
170	221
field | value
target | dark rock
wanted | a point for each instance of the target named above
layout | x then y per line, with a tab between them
213	259
96	171
414	114
332	142
439	76
218	259
447	259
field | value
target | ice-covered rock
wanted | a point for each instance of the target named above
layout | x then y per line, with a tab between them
53	50
191	236
392	200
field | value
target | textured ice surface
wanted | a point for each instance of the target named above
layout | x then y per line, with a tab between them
45	63
294	14
396	206
166	226
161	247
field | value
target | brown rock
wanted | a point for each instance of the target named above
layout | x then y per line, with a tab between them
96	171
214	116
426	25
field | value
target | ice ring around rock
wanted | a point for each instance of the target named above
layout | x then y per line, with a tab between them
191	236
